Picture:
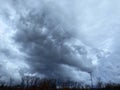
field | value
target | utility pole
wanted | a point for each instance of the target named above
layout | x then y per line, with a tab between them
91	78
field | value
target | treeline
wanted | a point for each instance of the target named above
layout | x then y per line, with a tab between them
35	83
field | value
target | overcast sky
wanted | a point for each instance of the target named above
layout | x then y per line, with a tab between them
62	39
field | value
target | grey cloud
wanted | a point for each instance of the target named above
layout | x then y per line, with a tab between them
45	35
60	39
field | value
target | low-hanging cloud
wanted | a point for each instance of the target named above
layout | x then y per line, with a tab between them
47	36
59	39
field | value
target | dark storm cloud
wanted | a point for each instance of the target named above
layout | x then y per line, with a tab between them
47	37
60	39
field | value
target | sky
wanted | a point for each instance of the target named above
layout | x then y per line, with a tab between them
60	39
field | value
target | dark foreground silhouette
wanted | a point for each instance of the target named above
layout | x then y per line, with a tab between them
34	83
47	87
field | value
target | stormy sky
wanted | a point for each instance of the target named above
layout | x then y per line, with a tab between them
61	39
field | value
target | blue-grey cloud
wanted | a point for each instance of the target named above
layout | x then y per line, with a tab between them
60	39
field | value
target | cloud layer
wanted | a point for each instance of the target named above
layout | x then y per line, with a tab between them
60	39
